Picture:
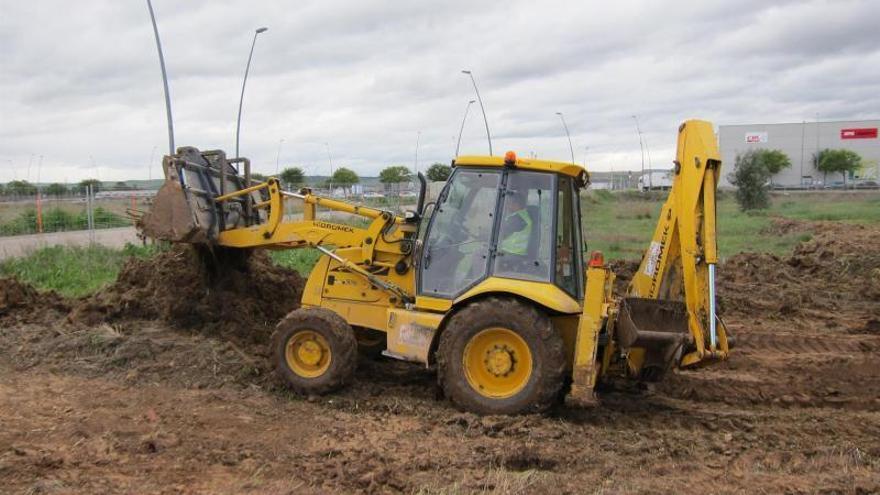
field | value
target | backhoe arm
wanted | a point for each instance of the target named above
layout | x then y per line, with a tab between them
679	264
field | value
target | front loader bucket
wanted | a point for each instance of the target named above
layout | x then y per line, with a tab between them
170	217
660	327
185	209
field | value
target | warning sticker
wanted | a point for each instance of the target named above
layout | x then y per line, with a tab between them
653	256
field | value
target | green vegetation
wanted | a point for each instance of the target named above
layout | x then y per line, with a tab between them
751	174
618	224
344	178
438	172
59	220
621	224
72	271
20	188
301	260
85	183
293	177
844	162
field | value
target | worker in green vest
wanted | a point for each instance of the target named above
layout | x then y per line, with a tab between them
516	228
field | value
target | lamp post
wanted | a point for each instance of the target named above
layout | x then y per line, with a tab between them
416	165
565	126
641	147
330	159
460	131
482	108
164	81
244	83
278	156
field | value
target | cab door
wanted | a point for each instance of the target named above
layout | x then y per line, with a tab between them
458	243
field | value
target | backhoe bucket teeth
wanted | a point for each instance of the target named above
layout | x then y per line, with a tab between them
170	217
660	327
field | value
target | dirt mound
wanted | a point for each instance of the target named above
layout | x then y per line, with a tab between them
833	278
222	291
22	303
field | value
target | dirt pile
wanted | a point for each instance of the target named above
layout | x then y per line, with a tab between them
20	302
833	278
234	293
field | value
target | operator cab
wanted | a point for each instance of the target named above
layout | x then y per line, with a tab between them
505	218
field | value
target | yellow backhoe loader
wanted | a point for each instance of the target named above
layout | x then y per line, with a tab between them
488	283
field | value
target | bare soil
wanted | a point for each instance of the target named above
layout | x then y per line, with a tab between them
151	387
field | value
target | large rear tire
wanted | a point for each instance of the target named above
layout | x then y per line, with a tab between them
314	351
501	356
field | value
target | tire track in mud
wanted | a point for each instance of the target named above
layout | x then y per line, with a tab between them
784	369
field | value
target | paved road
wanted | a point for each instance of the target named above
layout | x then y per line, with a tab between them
22	244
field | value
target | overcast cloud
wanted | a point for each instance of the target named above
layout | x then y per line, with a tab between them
81	85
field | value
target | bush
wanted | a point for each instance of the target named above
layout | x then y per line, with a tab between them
751	176
58	220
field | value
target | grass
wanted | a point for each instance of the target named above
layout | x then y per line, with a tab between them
301	260
621	224
72	271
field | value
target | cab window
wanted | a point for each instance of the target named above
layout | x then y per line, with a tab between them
523	248
457	246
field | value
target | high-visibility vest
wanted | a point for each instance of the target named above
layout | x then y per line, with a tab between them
518	242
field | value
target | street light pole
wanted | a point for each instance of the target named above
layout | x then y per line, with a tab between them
330	159
418	138
565	126
586	149
460	131
482	108
164	81
244	83
641	147
278	155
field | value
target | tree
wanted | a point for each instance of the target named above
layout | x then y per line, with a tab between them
56	189
751	176
258	177
439	172
840	160
394	175
293	177
21	188
83	184
344	177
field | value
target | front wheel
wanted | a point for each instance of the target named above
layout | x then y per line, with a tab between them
314	351
501	356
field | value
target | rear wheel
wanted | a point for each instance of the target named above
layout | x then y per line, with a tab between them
314	351
501	356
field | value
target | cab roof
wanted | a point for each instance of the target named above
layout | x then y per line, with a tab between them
566	168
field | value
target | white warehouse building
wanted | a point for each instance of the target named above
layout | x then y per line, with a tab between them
800	141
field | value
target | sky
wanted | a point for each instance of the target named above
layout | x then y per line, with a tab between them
380	83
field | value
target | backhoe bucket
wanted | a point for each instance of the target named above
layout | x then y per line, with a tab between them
660	327
186	210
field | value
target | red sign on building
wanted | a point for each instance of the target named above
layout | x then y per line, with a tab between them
863	133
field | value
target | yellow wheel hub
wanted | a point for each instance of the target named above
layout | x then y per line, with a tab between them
308	354
497	362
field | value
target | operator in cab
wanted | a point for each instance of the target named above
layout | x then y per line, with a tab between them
517	226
